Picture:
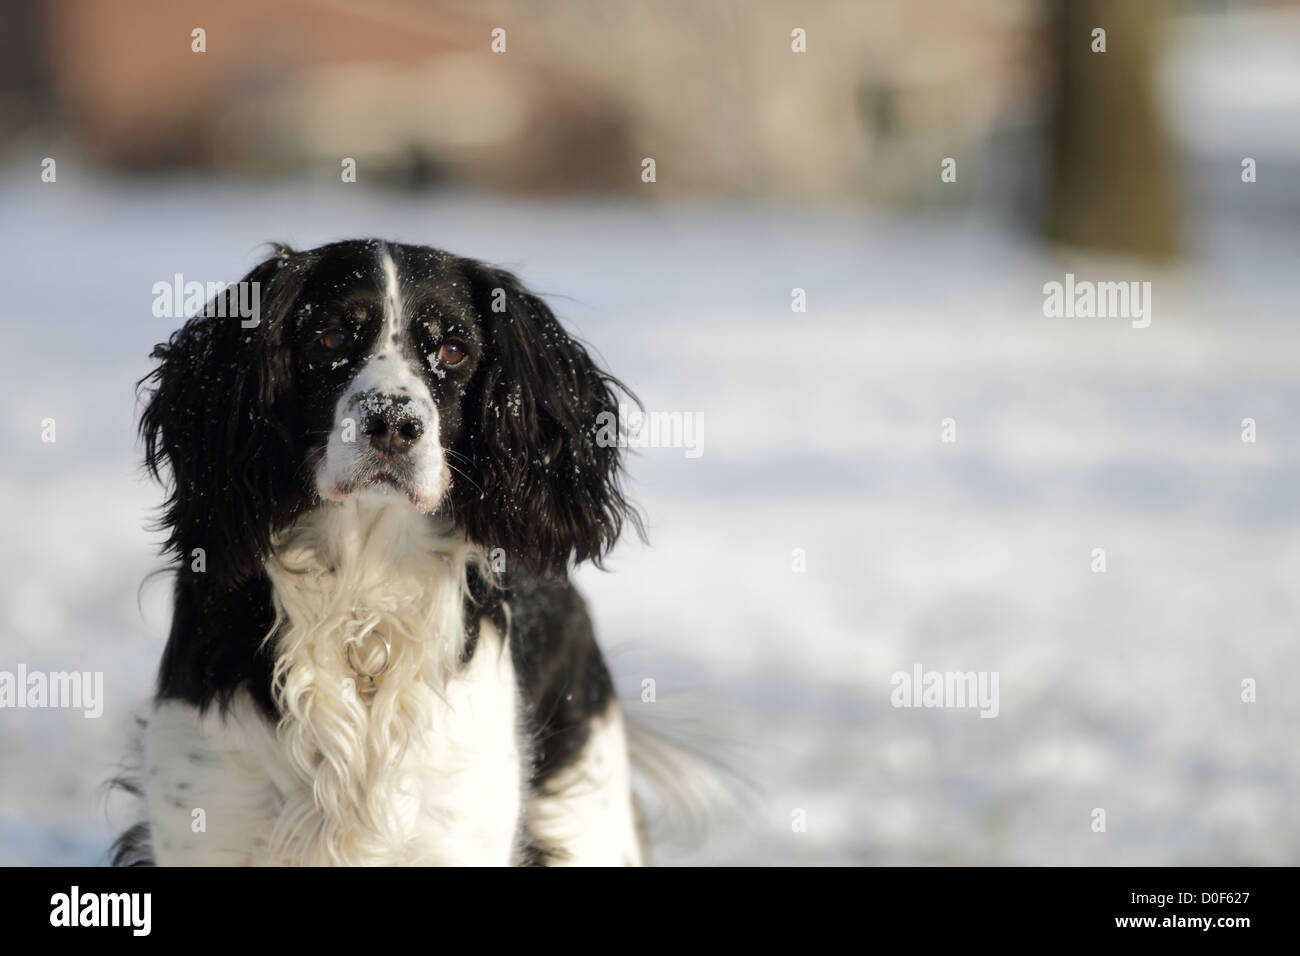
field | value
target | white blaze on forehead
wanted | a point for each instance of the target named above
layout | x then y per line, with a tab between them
386	369
392	303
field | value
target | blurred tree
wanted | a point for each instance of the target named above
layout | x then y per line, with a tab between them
1111	177
24	81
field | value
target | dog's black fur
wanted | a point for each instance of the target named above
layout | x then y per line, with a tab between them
237	418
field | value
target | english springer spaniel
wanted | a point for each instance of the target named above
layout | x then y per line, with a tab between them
376	490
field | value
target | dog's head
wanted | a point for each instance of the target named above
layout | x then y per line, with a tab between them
373	369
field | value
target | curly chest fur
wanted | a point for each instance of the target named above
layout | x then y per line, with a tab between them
427	767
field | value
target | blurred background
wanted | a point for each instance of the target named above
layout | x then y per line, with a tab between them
827	537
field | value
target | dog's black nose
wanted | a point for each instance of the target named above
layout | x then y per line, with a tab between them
389	424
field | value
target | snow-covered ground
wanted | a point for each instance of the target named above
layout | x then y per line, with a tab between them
1119	691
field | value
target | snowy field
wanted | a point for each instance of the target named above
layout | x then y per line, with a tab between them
1119	691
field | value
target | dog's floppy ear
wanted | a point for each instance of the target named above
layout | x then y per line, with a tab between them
219	416
549	492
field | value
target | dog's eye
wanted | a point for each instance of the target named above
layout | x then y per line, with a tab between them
452	352
336	340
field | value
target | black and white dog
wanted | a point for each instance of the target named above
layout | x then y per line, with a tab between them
352	676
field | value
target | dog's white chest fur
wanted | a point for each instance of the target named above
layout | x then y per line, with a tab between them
428	770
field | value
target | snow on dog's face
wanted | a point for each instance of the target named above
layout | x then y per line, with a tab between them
389	361
385	371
